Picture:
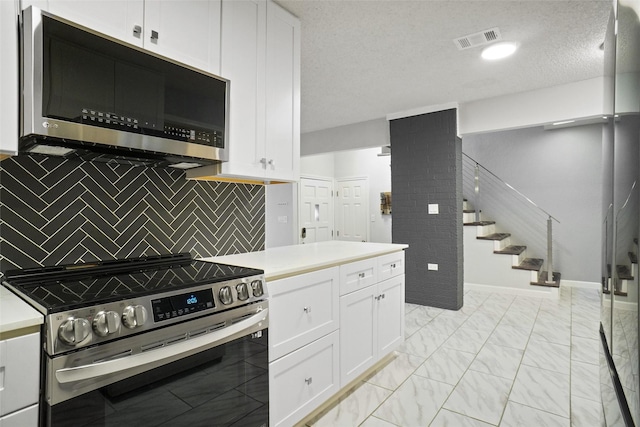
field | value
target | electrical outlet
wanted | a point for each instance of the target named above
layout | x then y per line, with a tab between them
432	267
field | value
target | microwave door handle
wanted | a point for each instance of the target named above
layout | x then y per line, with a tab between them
158	357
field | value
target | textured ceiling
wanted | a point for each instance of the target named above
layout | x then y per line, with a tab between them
362	60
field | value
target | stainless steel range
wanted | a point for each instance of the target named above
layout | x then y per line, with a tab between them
163	340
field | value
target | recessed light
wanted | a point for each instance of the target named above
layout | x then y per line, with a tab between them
498	51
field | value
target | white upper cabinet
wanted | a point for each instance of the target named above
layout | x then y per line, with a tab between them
282	147
9	78
187	31
261	57
118	19
243	63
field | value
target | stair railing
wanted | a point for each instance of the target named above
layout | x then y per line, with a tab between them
524	213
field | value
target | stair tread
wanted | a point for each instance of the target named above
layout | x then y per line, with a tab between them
511	250
618	293
469	211
542	280
494	236
481	223
624	272
533	264
633	258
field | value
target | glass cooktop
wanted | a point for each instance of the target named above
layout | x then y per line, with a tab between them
67	287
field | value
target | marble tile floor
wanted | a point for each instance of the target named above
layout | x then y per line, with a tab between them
502	360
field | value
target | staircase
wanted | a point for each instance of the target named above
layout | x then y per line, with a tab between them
491	258
627	276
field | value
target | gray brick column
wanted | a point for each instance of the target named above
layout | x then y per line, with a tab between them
426	168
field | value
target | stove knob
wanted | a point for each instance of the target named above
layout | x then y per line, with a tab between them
243	291
106	322
256	285
134	316
225	295
74	331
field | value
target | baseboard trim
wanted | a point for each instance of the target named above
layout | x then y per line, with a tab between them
579	284
543	292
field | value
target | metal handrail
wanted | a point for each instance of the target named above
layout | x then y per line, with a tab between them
511	187
500	181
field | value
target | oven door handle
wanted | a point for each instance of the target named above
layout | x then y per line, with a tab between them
162	355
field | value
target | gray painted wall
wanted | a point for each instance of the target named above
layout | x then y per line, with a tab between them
561	171
372	133
426	169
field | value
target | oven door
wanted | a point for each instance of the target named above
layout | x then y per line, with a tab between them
204	372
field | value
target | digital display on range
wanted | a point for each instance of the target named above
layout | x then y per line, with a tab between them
181	305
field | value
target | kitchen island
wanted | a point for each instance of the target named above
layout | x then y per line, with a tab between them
285	261
336	311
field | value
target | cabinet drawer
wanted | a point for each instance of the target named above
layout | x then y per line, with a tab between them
27	417
358	275
302	309
303	380
390	265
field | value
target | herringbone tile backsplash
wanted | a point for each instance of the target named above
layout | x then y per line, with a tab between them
55	211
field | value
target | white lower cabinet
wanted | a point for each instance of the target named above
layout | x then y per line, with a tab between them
19	380
371	326
22	418
302	380
328	327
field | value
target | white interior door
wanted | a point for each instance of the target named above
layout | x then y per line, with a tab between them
352	209
316	210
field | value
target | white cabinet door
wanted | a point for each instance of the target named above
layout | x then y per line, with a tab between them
19	372
9	81
390	315
184	30
243	62
358	337
303	308
302	380
282	151
116	18
187	31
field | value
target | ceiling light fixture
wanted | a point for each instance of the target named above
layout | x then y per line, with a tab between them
498	51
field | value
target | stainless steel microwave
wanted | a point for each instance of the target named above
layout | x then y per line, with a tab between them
87	95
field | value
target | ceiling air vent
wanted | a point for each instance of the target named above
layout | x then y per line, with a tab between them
478	39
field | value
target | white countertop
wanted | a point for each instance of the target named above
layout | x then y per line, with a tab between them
15	314
285	261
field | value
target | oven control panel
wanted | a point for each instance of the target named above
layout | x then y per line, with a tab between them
88	326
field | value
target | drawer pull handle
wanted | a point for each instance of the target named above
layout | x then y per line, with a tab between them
361	275
308	380
307	309
393	266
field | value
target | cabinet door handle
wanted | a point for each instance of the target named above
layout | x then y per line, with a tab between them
361	275
307	310
393	266
154	35
137	30
272	162
382	296
308	380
